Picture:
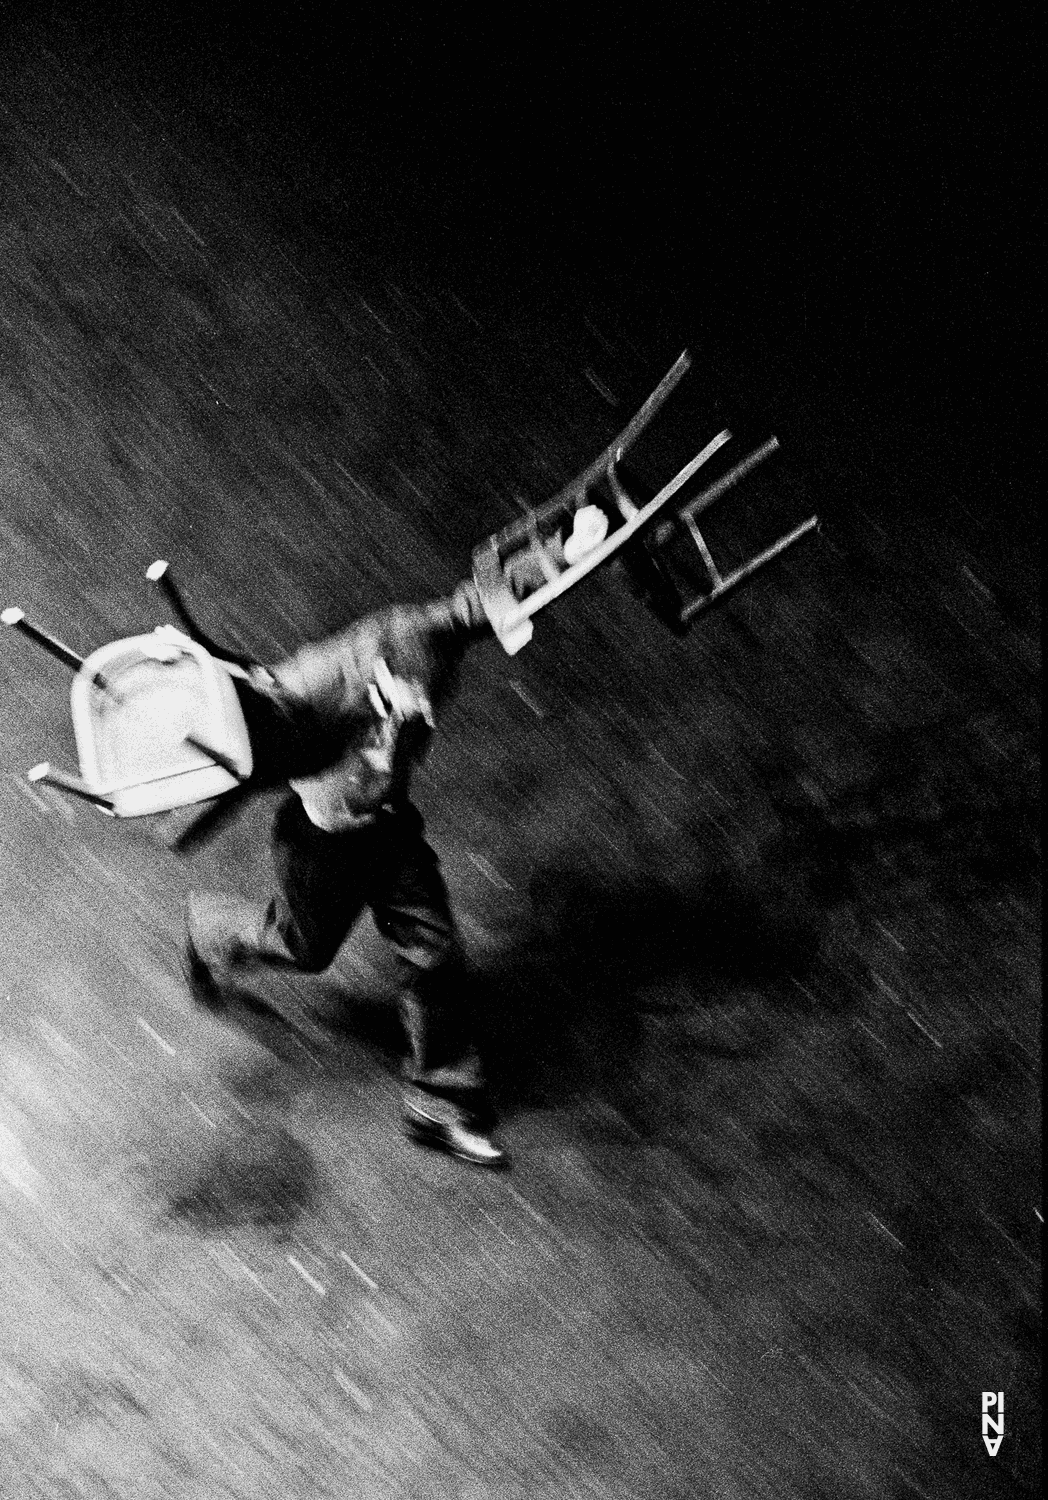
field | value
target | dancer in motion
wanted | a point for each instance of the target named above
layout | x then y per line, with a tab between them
345	722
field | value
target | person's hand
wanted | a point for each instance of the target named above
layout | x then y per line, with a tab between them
392	697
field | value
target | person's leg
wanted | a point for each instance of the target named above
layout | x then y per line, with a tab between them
445	1100
318	895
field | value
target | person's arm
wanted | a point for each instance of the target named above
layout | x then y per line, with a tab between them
303	713
293	735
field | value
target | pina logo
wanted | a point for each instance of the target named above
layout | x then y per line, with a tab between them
991	1399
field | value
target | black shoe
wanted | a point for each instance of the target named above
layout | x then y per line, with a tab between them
201	983
435	1123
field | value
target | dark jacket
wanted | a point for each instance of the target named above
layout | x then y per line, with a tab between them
314	719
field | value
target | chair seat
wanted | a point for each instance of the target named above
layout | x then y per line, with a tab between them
133	704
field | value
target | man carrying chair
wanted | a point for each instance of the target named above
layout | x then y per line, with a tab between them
345	722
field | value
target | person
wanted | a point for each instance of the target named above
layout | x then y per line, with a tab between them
344	722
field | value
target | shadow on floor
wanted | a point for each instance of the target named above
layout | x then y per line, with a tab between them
251	1173
560	1013
563	1012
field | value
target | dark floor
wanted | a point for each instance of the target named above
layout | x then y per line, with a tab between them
754	914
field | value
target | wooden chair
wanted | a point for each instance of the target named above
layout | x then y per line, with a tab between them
523	568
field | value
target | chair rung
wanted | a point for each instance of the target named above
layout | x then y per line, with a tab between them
627	507
665	529
733	580
547	566
707	556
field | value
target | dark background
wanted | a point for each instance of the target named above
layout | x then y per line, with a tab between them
860	183
847	193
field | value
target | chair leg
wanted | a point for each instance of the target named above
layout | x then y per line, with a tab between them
50	643
159	573
52	776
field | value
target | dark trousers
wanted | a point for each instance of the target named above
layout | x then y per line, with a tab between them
323	882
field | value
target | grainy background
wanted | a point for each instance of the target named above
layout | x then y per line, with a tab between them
753	914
